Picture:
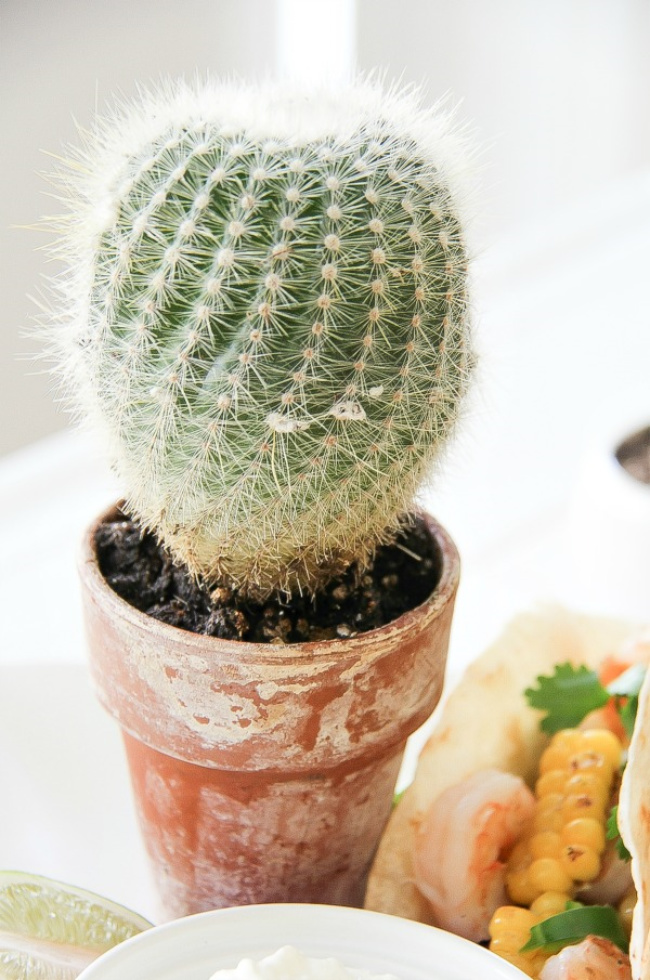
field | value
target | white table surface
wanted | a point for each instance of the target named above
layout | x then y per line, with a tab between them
565	326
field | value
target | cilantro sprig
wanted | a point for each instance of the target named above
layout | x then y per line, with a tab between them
571	693
567	696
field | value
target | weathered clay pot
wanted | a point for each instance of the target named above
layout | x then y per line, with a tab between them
264	773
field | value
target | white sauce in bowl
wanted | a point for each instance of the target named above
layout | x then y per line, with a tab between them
289	963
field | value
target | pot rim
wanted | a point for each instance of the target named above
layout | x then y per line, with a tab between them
339	649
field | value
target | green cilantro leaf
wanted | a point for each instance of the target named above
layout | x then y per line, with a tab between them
567	696
613	833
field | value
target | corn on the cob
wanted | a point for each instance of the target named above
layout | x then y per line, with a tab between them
565	840
567	836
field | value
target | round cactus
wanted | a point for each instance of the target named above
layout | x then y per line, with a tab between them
269	319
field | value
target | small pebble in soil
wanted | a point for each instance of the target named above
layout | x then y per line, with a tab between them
402	576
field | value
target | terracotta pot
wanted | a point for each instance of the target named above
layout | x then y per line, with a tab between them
264	773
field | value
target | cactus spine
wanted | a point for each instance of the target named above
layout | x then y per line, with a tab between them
270	320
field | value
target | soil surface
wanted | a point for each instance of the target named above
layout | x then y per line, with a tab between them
401	577
634	455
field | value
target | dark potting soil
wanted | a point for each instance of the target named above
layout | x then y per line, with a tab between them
401	577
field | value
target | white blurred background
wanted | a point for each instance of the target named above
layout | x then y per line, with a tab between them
557	92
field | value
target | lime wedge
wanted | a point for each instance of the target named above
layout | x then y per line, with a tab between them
52	931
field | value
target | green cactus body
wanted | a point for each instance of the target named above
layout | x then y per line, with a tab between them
274	332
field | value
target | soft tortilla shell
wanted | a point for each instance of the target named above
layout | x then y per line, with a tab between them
485	722
634	825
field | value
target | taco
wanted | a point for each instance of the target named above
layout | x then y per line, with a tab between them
634	824
487	733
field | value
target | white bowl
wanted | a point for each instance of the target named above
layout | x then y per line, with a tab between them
194	947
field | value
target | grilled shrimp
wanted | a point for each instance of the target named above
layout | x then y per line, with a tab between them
614	880
592	959
460	848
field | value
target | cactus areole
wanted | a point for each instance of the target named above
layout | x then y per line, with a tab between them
267	313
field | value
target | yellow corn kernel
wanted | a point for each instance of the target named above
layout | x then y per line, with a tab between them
605	743
626	909
519	856
552	801
508	943
548	875
552	781
520	889
585	831
511	918
509	915
545	844
568	738
539	958
548	820
581	863
526	964
591	762
579	805
588	783
549	903
554	757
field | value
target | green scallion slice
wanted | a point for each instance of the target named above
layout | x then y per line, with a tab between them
574	925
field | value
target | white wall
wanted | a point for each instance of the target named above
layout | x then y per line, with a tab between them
58	60
558	92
